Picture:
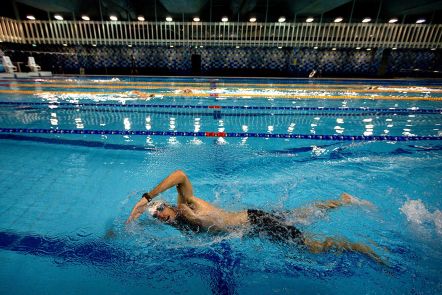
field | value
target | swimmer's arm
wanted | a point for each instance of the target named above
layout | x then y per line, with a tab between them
177	178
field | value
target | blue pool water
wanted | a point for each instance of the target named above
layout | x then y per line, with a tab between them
77	153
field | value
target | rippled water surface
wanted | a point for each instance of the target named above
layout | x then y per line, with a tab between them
61	195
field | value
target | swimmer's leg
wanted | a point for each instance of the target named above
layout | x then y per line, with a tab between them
344	199
318	209
341	245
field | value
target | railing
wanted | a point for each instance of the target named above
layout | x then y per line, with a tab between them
222	34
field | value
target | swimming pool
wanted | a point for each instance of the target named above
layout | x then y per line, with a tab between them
76	154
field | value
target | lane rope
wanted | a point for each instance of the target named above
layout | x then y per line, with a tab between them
220	134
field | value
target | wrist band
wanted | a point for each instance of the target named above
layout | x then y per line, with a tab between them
147	196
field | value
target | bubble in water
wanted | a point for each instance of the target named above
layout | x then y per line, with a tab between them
415	211
437	218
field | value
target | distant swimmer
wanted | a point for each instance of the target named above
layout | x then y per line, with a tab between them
198	215
140	94
185	91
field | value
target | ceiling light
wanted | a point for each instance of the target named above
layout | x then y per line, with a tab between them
433	49
338	20
224	19
85	17
279	47
201	46
169	19
281	19
141	18
64	44
30	17
394	48
316	47
58	17
358	48
309	19
34	45
237	47
393	20
368	49
252	19
366	20
113	18
420	21
334	48
95	45
196	19
171	46
129	45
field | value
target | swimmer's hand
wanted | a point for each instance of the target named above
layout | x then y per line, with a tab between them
138	209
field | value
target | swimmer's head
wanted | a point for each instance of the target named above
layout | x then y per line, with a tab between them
162	211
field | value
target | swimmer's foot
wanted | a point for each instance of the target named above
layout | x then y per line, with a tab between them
349	199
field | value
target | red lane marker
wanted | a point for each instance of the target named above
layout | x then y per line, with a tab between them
214	94
215	134
214	107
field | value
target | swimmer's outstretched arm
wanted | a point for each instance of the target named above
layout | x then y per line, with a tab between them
341	245
177	178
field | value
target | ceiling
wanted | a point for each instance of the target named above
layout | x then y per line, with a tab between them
236	10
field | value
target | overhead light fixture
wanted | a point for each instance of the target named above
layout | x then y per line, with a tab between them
94	45
420	21
394	48
338	20
141	18
30	17
433	49
252	19
358	48
58	17
281	19
366	20
169	19
64	44
393	20
316	47
171	46
309	19
334	48
224	19
279	47
129	45
85	17
368	49
196	19
236	46
34	45
201	46
113	18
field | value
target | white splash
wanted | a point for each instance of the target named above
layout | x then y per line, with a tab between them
416	212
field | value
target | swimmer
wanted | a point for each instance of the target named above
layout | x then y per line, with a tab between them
201	215
185	90
141	94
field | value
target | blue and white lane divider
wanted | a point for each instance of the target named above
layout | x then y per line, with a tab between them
219	107
221	134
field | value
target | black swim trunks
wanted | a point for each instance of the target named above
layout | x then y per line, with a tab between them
273	226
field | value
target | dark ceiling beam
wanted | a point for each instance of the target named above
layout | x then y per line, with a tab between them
242	6
183	6
315	7
123	7
401	7
54	5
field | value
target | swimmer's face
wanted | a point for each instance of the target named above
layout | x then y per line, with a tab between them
164	213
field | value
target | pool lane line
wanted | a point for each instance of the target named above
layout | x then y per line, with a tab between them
227	95
224	84
220	134
203	87
219	107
